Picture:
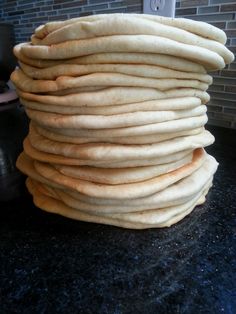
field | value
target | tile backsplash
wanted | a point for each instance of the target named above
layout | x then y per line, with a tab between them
26	15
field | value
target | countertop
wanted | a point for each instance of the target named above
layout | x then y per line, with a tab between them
50	264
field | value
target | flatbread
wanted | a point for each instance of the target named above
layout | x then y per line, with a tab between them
196	27
106	210
113	96
180	103
175	194
117	152
122	191
149	139
75	90
25	164
156	128
117	104
155	220
57	159
165	61
140	70
25	83
128	25
120	175
125	43
140	118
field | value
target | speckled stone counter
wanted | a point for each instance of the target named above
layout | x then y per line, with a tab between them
50	264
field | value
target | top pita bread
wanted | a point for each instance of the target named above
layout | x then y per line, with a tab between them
126	43
129	25
195	27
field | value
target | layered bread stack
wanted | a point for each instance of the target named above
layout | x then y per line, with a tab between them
118	106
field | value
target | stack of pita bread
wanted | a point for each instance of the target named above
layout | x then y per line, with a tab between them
118	106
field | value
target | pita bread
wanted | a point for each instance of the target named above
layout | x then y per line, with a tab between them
125	43
120	175
151	221
27	166
117	152
175	194
75	90
117	104
140	70
165	61
57	159
156	128
200	28
121	191
155	138
129	25
27	84
180	103
113	96
104	210
140	118
20	79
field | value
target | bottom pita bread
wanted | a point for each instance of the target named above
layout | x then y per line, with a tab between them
171	205
176	194
155	219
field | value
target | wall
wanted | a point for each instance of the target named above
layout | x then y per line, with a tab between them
221	13
27	14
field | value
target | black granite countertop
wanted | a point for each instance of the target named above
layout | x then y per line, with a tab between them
50	264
